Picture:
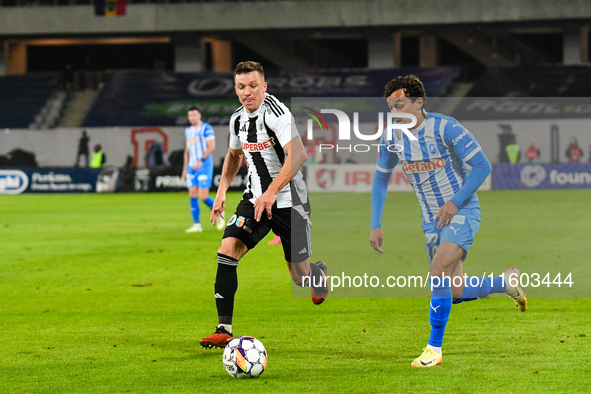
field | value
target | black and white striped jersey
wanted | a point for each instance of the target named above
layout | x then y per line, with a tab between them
262	136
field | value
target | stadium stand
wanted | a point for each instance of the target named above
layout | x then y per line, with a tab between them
160	99
540	81
51	111
23	97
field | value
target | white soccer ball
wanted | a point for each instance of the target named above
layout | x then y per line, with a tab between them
245	357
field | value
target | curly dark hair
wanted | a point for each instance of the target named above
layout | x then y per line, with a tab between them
412	85
249	66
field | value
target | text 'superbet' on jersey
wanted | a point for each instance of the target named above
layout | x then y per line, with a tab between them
262	135
434	163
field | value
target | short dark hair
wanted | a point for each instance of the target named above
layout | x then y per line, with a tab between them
412	85
194	108
249	66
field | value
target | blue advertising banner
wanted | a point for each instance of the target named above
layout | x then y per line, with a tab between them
58	180
506	108
161	99
541	176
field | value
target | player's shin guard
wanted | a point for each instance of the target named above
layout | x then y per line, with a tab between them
209	202
195	209
226	283
440	306
480	287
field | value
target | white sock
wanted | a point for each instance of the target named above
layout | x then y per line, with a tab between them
228	327
435	349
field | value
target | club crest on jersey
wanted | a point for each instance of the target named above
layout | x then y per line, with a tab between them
432	149
240	221
419	166
259	146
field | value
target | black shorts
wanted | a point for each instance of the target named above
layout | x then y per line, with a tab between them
293	225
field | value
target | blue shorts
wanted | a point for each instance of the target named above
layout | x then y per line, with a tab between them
461	231
202	178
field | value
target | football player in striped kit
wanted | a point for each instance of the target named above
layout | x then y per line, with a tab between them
435	164
263	132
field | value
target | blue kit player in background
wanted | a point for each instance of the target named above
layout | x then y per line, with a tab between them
198	166
435	164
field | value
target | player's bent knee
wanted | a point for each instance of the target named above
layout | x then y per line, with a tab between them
203	194
233	247
437	271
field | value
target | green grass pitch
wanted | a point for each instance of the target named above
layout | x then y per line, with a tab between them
107	294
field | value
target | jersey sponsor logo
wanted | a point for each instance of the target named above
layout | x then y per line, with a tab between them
459	137
417	167
192	140
258	147
232	220
459	219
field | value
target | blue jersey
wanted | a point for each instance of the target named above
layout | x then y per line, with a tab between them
197	138
434	164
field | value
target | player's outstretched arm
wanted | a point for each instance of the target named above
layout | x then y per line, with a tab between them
385	164
229	171
296	156
376	238
379	191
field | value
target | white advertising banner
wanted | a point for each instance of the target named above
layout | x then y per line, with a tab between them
357	178
350	178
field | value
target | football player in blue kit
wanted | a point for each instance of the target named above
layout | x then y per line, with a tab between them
434	161
198	166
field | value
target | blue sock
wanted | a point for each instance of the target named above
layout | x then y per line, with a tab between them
440	306
479	287
209	202
195	209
